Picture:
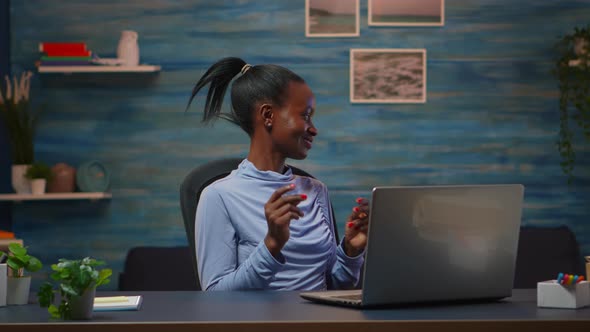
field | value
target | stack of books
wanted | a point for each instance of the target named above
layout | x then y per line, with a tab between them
7	238
65	54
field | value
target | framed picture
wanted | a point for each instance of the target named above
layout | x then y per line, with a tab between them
407	12
387	75
332	18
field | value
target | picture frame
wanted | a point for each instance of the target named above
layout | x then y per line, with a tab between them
387	75
406	13
332	18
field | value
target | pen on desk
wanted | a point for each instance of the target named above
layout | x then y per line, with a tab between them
575	280
563	280
559	278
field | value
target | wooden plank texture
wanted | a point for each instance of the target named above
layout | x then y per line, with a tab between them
490	117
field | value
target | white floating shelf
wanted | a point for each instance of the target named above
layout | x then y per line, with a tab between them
99	69
54	196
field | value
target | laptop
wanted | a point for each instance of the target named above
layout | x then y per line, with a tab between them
429	244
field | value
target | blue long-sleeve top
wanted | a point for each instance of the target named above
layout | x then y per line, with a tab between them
230	227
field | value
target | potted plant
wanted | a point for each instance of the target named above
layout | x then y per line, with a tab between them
76	284
38	174
18	284
20	121
572	70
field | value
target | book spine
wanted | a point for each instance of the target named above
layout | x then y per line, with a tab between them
68	53
65	58
66	63
59	47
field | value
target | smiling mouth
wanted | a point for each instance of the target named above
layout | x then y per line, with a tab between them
308	142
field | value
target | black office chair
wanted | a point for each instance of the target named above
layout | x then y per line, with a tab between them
158	269
194	183
543	253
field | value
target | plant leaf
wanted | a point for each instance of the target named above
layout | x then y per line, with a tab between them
103	276
17	249
68	289
34	265
54	311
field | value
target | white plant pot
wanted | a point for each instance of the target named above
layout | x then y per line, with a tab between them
18	290
20	183
3	283
38	186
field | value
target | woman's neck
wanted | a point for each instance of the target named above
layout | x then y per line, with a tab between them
266	160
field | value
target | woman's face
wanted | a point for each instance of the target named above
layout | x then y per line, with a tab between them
292	129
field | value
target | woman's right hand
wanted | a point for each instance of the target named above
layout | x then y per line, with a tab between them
279	211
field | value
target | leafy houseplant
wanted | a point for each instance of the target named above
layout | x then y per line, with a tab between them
77	282
18	284
39	174
19	118
572	70
19	260
39	170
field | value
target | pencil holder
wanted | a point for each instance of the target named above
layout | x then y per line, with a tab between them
3	284
551	294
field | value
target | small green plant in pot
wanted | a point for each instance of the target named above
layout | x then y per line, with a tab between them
76	285
18	262
40	174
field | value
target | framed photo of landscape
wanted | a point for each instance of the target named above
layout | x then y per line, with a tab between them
387	75
332	18
407	12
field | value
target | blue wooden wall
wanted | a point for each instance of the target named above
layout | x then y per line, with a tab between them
490	116
5	208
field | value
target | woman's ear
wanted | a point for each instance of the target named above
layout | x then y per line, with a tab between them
266	114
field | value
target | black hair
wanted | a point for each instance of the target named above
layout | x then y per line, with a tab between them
260	83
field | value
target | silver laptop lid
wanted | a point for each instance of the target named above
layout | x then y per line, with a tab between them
442	243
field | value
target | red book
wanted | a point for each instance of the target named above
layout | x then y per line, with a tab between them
62	53
51	47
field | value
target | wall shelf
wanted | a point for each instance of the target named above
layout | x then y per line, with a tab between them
55	196
98	69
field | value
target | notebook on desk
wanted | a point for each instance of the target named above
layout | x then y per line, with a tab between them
437	243
117	303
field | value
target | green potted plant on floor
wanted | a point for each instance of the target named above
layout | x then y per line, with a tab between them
572	70
19	285
39	175
76	285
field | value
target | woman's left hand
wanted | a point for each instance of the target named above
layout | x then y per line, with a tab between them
355	235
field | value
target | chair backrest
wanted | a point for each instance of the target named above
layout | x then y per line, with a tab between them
543	253
194	183
157	269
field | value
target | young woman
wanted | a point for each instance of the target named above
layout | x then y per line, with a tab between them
262	227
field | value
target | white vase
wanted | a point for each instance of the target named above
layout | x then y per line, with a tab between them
18	290
128	48
38	186
20	183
